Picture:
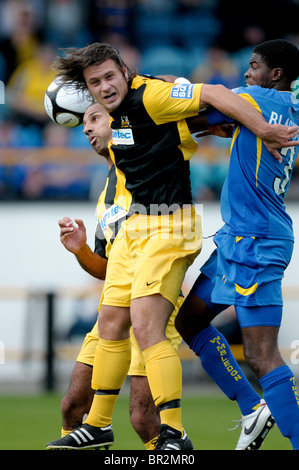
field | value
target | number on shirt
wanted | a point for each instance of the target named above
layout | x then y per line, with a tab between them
280	184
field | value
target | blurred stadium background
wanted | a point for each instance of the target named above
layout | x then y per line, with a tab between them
47	303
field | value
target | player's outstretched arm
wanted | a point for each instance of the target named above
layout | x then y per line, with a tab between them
229	103
74	239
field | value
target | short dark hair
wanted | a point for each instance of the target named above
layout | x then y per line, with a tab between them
280	53
69	68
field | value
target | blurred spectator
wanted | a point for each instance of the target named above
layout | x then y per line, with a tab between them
66	22
21	38
156	7
13	135
165	60
8	134
27	86
253	35
197	24
112	17
217	68
10	10
275	17
56	174
55	180
55	135
129	53
182	23
35	181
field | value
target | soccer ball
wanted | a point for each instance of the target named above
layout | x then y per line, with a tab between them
66	105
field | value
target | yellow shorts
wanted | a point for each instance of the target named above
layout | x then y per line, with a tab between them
151	255
137	367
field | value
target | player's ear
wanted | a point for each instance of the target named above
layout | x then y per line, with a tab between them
277	74
126	73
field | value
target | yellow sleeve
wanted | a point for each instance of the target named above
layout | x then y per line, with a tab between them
168	102
249	98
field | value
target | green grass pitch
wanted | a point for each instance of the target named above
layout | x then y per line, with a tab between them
29	422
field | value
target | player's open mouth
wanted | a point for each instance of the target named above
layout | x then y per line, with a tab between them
110	97
92	139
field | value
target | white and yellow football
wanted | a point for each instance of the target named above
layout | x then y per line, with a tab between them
66	105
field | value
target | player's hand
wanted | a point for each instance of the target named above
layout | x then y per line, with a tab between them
221	130
73	237
279	136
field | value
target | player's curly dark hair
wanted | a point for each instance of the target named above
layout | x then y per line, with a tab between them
280	53
69	68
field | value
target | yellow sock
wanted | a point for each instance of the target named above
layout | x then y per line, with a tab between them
64	432
164	373
172	416
111	365
150	445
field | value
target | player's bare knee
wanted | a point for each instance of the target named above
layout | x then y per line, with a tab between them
114	322
193	317
143	335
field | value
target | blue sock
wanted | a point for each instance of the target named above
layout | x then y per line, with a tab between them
219	363
280	393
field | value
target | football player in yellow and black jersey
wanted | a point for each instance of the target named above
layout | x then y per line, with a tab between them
77	401
151	147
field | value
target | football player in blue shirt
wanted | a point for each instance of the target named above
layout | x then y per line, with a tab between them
253	249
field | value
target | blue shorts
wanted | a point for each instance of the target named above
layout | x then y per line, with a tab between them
246	272
247	316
